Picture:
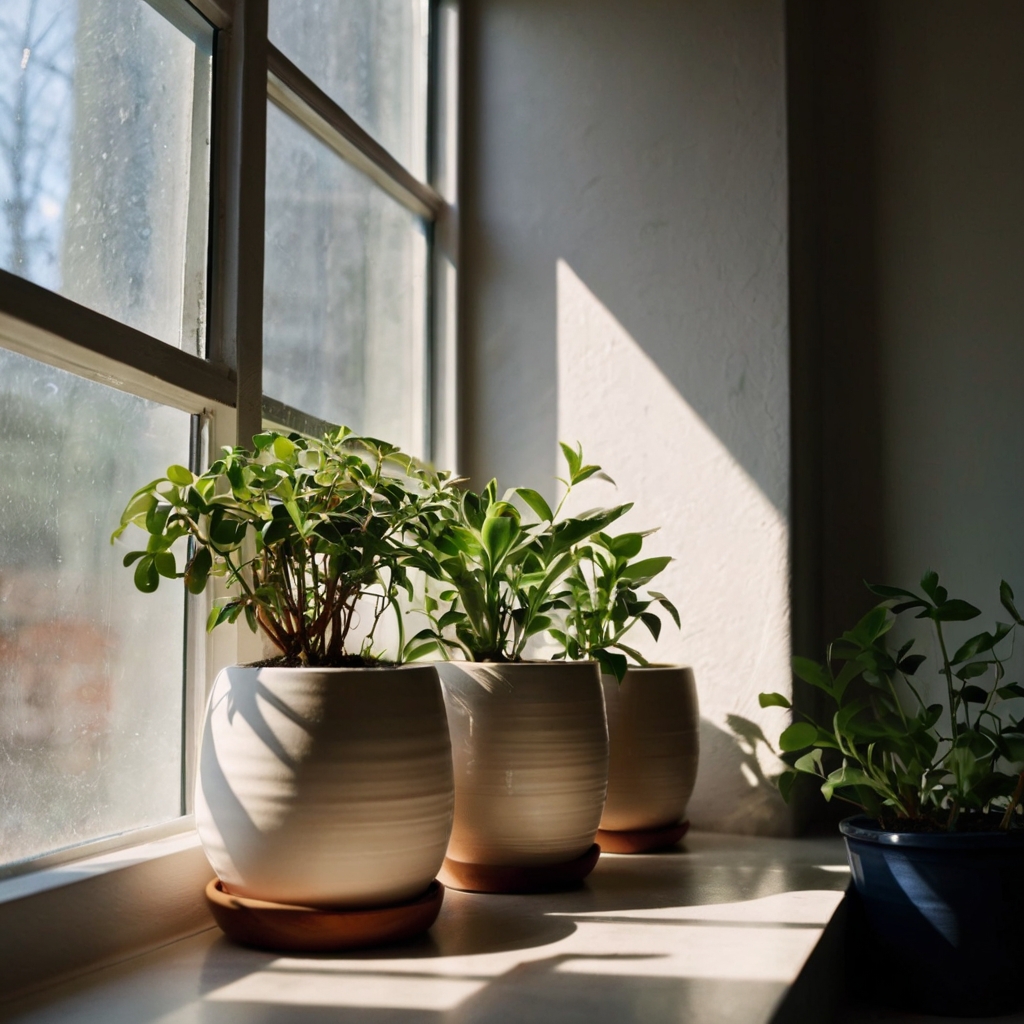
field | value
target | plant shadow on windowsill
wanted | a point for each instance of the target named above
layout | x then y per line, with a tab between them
570	986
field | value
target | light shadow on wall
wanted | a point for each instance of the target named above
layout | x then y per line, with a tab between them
728	539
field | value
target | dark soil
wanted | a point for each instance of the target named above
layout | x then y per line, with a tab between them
345	661
965	823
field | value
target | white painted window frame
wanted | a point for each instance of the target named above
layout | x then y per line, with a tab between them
87	884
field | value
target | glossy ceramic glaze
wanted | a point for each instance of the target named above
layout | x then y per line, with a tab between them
653	737
530	749
325	787
943	915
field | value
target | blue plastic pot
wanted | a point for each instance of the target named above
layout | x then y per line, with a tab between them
945	914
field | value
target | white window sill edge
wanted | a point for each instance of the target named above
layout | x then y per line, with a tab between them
85	914
153	898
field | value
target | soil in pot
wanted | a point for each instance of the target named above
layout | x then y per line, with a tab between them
943	913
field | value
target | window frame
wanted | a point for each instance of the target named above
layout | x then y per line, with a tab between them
224	390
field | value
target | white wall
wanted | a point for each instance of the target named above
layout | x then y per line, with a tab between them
624	271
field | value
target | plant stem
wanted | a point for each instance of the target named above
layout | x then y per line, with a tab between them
954	813
948	673
1014	800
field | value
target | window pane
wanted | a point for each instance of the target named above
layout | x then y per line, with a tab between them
370	57
90	669
344	292
104	160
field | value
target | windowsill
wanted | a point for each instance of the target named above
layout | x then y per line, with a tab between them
718	932
81	915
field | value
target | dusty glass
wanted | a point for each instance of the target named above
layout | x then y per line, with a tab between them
370	57
91	670
344	292
104	159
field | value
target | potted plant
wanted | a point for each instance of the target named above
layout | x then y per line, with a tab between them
653	719
529	739
324	775
938	853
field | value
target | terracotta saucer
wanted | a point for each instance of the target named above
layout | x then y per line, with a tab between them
282	927
642	840
513	879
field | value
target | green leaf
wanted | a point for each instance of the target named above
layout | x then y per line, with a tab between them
652	622
156	518
536	501
813	673
874	624
626	545
890	592
499	531
970	648
147	579
180	475
1006	599
572	458
538	624
930	585
198	570
785	783
586	472
847	776
810	763
972	670
460	540
612	663
139	506
645	569
798	736
956	611
215	618
283	448
973	695
292	508
773	700
668	606
164	565
1010	691
911	663
419	650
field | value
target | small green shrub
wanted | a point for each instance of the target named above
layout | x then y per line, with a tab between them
604	598
497	572
913	765
300	530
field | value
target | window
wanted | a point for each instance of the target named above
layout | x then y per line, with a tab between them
104	159
214	215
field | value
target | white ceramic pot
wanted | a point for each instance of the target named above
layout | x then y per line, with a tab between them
325	787
530	750
653	738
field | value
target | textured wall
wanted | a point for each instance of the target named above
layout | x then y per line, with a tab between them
950	223
908	317
625	283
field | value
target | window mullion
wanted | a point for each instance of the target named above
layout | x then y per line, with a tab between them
297	95
55	330
279	415
240	117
